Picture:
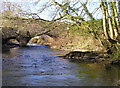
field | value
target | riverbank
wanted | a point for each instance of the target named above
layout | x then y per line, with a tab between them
66	36
70	42
80	55
92	57
80	48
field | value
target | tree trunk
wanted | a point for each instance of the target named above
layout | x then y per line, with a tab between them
119	12
109	21
114	18
105	26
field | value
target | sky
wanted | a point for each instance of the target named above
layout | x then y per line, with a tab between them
29	5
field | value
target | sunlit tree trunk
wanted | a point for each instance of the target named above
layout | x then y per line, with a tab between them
105	26
109	21
114	18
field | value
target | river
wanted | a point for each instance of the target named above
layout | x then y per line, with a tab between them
39	65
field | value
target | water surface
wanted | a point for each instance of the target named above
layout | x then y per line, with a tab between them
39	65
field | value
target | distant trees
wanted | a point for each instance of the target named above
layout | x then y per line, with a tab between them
11	10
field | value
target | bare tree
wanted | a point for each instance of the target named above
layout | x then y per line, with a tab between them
12	9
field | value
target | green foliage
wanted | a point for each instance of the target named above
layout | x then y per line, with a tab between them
87	28
116	52
95	25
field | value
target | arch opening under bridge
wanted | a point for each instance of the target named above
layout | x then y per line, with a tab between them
22	38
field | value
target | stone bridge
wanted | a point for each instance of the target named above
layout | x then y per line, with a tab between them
22	36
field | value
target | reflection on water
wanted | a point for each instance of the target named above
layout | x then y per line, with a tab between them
41	66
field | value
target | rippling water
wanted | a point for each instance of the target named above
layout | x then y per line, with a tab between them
39	65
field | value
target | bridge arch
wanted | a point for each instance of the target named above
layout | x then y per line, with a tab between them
23	36
42	39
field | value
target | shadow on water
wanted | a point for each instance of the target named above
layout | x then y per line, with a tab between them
98	73
39	65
